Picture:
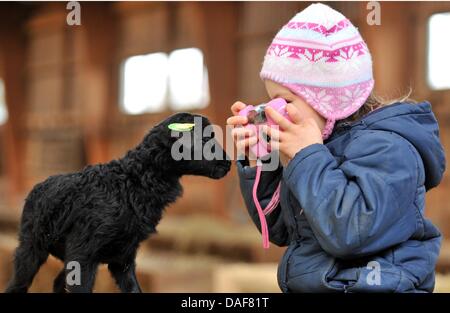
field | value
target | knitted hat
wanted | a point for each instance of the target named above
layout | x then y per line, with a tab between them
320	56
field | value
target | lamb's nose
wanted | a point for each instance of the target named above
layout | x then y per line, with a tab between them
226	165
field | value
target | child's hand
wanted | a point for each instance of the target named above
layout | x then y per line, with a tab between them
291	137
243	137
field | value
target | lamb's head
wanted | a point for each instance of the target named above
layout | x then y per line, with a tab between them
187	142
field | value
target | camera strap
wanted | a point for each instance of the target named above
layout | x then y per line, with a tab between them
273	203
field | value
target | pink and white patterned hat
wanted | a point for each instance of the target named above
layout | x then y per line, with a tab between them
320	56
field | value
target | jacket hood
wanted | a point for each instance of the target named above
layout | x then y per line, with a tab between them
417	124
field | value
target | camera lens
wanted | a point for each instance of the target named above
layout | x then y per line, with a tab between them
260	117
252	116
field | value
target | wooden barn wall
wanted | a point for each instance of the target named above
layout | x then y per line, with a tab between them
62	83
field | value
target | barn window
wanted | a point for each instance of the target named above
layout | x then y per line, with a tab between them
438	51
154	82
3	108
188	80
144	83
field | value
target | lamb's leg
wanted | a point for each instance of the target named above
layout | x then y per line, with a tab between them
81	277
28	259
59	284
125	276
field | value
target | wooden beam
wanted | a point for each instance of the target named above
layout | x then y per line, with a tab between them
99	39
220	27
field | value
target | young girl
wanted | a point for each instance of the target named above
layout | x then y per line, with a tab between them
354	170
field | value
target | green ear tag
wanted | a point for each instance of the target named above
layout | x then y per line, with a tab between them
181	127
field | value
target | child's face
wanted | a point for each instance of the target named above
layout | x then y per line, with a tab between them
276	90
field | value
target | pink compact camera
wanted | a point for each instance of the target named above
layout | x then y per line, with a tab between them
256	116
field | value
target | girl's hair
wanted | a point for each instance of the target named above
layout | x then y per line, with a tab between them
374	102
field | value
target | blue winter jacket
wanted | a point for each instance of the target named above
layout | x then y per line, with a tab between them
356	199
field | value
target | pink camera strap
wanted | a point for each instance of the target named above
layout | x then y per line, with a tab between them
268	209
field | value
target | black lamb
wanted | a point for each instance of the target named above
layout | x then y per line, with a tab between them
102	213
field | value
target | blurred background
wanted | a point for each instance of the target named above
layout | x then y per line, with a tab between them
82	94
